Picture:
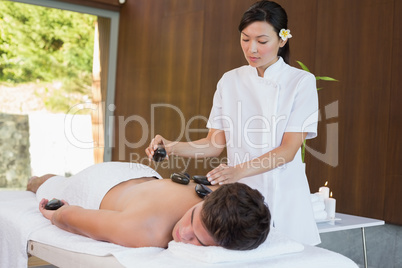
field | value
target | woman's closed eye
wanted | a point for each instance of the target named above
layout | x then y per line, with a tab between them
260	42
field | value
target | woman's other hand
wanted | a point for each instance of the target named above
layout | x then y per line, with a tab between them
223	174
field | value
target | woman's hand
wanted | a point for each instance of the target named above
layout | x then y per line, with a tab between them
48	214
223	174
157	141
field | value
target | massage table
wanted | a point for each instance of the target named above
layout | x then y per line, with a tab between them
64	258
24	231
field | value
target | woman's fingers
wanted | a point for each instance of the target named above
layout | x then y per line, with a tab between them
219	175
153	145
149	152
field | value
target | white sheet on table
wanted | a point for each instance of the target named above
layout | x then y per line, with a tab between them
54	236
19	216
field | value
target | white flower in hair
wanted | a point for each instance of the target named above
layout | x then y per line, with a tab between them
285	34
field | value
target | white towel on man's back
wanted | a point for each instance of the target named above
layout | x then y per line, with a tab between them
88	187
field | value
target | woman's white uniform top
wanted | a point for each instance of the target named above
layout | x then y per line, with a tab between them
255	112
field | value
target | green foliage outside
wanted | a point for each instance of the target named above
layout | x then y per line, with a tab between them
43	45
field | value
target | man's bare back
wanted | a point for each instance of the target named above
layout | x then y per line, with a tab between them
159	209
135	213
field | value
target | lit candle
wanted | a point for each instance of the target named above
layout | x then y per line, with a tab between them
324	190
330	205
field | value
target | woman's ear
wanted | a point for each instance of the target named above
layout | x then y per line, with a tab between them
282	42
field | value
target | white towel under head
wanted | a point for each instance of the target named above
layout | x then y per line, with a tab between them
276	244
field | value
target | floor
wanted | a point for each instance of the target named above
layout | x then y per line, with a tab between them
38	263
384	245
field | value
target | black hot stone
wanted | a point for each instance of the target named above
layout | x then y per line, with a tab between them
201	179
202	190
53	204
159	154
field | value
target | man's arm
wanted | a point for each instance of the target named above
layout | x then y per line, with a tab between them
103	225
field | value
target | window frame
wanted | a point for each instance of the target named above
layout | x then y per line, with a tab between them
114	17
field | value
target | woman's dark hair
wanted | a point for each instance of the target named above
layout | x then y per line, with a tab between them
272	13
236	216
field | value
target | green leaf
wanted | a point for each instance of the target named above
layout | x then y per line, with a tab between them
325	78
304	67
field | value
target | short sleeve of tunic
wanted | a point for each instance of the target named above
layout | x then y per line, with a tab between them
216	111
304	113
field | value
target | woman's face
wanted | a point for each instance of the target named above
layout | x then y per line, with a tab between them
260	44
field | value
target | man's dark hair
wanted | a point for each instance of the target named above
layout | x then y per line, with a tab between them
236	216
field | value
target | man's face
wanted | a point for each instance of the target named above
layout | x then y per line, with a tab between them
190	229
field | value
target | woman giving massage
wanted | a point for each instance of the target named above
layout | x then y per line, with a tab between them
262	113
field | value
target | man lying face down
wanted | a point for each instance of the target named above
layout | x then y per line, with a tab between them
138	210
